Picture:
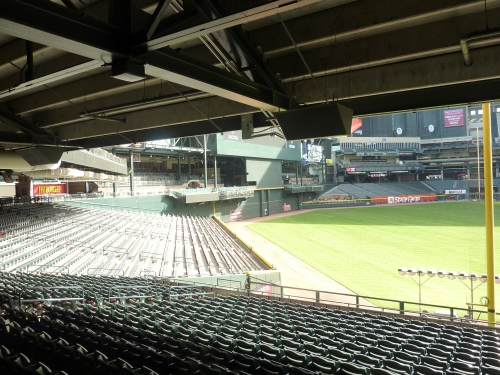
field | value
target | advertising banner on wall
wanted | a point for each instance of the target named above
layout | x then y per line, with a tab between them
456	191
357	127
454	117
405	199
235	215
49	189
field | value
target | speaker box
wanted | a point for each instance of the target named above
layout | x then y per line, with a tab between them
327	146
41	155
247	125
318	121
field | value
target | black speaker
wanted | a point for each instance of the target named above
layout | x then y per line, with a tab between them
327	146
317	121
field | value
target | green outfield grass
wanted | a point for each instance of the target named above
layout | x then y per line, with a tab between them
362	248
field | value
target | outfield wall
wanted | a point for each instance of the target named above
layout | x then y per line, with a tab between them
264	202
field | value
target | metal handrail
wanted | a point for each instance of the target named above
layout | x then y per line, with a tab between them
107	269
114	249
401	310
126	287
142	253
47	265
143	273
52	299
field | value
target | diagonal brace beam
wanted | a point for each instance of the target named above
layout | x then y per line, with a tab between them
18	122
156	17
177	68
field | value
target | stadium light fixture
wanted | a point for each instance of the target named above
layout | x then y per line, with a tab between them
420	272
472	277
442	273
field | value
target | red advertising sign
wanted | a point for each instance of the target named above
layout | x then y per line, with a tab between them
350	169
235	215
49	189
453	117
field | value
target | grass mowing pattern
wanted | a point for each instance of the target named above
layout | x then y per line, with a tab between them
362	248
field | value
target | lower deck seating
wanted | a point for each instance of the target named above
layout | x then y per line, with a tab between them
65	239
233	335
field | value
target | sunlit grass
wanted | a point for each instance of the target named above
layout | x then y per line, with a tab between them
362	248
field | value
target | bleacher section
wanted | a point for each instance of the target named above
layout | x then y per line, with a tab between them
224	335
66	239
368	190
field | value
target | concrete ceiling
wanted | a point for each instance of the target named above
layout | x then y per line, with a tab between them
376	56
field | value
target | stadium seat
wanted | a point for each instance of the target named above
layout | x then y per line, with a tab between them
424	370
463	368
325	365
353	369
367	361
434	363
486	370
399	368
438	354
405	357
490	362
379	353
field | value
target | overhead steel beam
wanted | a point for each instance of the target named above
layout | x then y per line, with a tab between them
253	14
23	125
28	139
54	25
56	76
175	67
174	131
443	96
57	26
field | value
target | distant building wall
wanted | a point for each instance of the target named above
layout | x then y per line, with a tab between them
266	173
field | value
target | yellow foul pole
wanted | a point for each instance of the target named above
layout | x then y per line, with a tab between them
489	212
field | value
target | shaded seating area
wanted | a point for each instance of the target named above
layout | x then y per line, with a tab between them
236	334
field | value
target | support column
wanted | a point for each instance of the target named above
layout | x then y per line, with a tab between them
131	175
497	170
189	165
179	169
442	173
489	214
205	158
296	172
468	171
215	171
301	167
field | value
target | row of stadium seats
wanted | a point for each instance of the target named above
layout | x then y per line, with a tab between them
240	334
46	237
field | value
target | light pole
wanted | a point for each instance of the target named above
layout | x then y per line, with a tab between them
462	276
412	272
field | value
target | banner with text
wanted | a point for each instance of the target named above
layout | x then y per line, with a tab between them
454	117
49	189
235	215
